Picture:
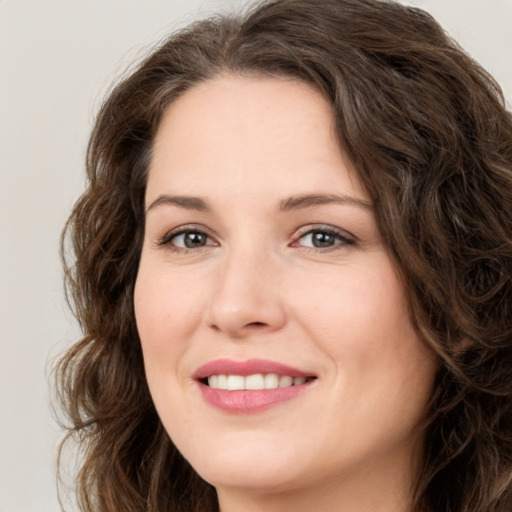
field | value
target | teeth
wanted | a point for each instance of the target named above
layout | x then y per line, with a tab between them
254	382
222	382
235	382
285	381
271	381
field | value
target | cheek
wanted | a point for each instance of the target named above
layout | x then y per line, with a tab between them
167	311
166	304
360	319
352	306
380	373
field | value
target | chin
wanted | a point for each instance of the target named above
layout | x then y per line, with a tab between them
257	465
248	477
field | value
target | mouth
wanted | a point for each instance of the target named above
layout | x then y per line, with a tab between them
252	386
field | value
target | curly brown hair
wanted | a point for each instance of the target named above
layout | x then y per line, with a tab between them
430	136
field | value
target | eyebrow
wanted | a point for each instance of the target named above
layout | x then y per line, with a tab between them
310	200
291	203
187	202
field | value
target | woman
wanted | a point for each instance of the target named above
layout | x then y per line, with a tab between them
293	272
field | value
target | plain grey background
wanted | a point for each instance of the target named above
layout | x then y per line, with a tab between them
57	59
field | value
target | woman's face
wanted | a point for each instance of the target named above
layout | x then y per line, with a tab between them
263	266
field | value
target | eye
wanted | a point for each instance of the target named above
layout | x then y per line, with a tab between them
190	240
186	239
325	237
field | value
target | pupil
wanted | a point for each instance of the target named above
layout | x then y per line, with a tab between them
194	240
321	239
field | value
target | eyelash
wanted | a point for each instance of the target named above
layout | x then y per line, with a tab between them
343	238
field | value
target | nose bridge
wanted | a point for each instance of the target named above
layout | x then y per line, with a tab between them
247	295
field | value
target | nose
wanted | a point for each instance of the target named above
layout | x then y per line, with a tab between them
247	298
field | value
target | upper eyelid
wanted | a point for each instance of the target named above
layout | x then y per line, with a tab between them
324	227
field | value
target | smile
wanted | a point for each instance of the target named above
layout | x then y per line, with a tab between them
250	386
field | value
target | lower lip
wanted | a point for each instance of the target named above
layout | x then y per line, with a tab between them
250	402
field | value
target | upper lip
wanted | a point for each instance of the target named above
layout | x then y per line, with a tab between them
248	367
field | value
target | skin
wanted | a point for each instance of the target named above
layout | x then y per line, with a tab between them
256	286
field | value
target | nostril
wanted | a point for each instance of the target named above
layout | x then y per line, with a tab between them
256	324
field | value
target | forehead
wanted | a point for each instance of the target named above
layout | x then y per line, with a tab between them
259	130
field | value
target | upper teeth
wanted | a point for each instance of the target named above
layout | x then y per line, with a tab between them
253	382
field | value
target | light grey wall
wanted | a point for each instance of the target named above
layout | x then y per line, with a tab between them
57	58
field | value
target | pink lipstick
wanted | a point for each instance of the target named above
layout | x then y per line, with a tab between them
244	387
